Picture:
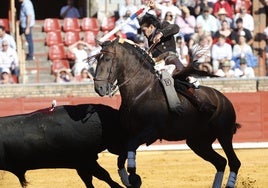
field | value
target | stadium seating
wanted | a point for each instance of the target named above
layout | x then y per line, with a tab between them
89	37
51	24
71	37
53	37
108	23
56	52
71	24
5	22
59	64
90	24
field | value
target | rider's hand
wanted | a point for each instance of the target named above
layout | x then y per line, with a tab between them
157	37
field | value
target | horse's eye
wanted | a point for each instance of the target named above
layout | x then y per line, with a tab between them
107	58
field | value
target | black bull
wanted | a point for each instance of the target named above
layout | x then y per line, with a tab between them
64	137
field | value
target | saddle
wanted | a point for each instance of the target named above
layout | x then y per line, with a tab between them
186	89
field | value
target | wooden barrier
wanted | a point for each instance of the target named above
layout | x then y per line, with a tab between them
251	109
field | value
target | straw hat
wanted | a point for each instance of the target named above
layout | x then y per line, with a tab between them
222	11
226	64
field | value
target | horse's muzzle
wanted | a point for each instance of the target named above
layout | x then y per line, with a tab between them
102	89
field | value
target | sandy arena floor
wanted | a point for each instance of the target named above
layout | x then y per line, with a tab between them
158	169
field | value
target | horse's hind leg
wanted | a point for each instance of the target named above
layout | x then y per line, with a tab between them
233	161
203	148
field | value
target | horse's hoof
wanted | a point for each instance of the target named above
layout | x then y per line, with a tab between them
135	180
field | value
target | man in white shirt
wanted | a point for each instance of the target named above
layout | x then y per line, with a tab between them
7	37
9	58
248	21
221	52
207	20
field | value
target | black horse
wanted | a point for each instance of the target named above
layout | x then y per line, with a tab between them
69	136
146	116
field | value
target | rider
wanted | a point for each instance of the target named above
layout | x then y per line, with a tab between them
161	36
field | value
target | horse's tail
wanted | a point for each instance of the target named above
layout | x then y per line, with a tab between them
237	126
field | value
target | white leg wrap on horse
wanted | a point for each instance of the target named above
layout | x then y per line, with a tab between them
124	176
218	180
131	159
231	180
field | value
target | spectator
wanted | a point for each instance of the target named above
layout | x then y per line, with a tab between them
169	17
207	20
152	10
243	50
243	3
167	6
9	59
243	71
190	4
69	10
225	70
6	77
248	21
128	6
221	52
223	4
182	51
7	37
225	31
239	28
201	54
199	32
27	21
186	22
222	16
64	76
200	6
79	49
131	28
84	76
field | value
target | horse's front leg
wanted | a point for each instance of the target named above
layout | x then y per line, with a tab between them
122	170
134	179
148	136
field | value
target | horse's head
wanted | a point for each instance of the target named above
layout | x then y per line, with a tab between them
122	61
105	75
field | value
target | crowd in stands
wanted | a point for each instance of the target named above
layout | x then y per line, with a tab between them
216	35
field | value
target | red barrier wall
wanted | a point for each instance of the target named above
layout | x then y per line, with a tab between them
251	109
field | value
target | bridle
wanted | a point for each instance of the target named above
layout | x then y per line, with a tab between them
114	86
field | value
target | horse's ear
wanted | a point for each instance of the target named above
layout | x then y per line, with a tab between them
98	42
117	39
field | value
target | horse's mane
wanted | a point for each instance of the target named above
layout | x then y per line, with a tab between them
146	61
141	55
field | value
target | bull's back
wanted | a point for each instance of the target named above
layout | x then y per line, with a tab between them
52	139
